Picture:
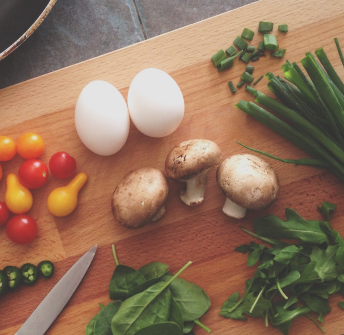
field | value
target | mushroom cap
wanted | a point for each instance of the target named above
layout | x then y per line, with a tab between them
139	197
248	181
190	158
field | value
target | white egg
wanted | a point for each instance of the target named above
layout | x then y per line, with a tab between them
155	102
101	118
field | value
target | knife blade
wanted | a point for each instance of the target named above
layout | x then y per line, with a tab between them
52	305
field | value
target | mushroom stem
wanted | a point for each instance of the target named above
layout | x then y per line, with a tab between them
195	187
160	214
233	210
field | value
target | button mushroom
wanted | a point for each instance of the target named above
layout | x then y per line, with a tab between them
189	162
248	182
139	198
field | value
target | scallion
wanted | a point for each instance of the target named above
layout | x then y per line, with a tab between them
279	53
270	42
247	77
218	57
265	27
247	34
246	57
228	62
339	50
240	83
249	69
283	28
240	43
231	50
258	80
250	48
231	87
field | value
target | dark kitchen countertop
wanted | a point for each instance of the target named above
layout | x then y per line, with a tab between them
78	30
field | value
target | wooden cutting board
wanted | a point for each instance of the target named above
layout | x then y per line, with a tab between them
201	234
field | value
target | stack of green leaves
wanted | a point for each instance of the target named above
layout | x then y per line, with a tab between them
150	301
313	107
292	279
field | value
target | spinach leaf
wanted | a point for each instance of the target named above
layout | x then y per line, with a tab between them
146	308
153	270
90	326
124	280
102	325
152	273
192	300
325	262
161	328
188	326
294	227
176	315
341	304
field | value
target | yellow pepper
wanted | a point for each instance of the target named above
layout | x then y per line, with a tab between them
63	200
18	198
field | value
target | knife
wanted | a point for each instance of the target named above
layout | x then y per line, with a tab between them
52	305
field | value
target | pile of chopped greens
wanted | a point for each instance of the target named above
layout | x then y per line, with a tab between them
313	107
292	279
150	301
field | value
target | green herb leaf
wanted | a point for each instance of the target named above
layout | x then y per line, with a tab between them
192	300
294	227
326	207
124	280
341	304
166	328
102	325
316	304
285	255
176	315
153	270
325	262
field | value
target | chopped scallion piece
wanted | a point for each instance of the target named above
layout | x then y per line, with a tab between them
231	87
258	80
250	48
218	57
247	34
279	53
265	27
249	69
231	50
261	46
228	62
240	83
270	42
247	77
339	50
246	57
283	28
254	58
240	43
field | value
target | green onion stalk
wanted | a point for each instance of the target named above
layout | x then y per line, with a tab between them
311	101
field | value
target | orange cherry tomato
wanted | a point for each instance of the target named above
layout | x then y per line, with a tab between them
7	148
30	145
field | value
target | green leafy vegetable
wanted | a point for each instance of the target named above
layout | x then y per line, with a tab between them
291	279
166	328
102	324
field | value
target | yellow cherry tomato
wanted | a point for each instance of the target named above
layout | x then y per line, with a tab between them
7	148
18	198
63	200
30	145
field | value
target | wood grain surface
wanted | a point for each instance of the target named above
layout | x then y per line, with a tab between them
202	234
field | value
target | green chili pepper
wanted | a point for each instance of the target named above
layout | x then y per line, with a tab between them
29	273
3	282
46	269
14	276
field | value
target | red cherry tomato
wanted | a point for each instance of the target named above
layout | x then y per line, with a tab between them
21	229
33	173
4	213
62	165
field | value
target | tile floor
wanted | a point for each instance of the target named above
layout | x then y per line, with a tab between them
78	30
